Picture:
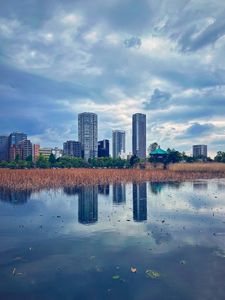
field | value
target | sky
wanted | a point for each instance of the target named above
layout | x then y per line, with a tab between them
163	58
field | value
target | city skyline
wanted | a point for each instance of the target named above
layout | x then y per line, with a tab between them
114	58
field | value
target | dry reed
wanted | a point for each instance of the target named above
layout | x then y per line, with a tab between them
55	178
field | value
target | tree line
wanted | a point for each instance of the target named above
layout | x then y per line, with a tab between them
173	156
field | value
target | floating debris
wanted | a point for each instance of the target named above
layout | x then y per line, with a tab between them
133	270
152	274
183	262
14	271
115	277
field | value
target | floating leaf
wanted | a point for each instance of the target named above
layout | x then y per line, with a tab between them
14	271
152	274
133	270
115	277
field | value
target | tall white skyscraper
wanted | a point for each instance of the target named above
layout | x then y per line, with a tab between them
118	143
139	135
88	134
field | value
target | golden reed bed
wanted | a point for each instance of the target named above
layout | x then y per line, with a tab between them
37	179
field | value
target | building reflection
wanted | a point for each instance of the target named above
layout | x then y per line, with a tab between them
88	204
71	191
119	193
140	201
14	197
103	189
200	186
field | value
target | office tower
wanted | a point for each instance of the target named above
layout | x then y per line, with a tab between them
139	135
35	152
200	151
16	137
72	148
88	204
4	144
103	148
25	148
88	134
139	202
119	193
118	143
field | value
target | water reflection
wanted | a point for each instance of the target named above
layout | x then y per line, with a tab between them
200	186
119	193
71	191
14	197
156	187
103	189
88	204
139	202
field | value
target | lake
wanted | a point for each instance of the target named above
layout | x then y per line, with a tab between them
121	241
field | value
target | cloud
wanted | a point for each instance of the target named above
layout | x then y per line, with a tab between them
58	57
198	130
158	100
133	42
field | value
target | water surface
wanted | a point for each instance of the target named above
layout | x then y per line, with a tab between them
81	242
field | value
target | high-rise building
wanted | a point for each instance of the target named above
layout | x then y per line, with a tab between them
103	148
25	148
139	202
139	135
35	152
88	204
4	144
88	134
118	138
200	151
16	137
72	148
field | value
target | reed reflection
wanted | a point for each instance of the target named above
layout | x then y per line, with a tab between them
140	202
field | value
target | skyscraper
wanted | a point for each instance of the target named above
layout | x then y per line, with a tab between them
139	135
4	144
88	134
118	143
200	151
103	148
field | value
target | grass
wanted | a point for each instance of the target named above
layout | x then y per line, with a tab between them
37	179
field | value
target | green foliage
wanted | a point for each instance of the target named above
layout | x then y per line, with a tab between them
220	157
133	160
52	159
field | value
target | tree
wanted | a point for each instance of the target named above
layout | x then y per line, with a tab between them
133	160
52	159
220	157
153	147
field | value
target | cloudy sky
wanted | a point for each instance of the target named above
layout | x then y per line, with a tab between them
116	57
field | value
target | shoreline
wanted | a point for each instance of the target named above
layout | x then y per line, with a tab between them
37	179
